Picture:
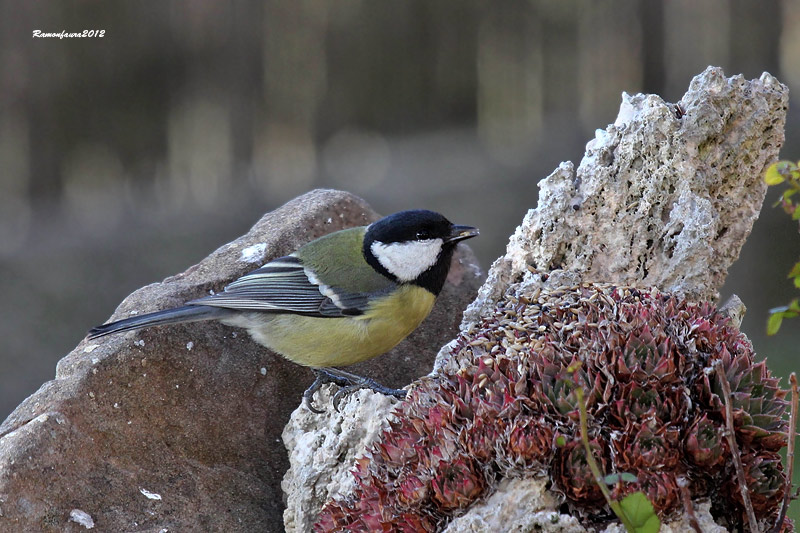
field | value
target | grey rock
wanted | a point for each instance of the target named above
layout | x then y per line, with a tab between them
517	506
179	427
319	449
662	198
734	309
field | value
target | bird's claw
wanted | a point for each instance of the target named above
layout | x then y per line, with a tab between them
348	384
308	396
322	377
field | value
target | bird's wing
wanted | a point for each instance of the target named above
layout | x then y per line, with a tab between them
286	285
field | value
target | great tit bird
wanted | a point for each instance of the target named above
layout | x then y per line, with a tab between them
341	299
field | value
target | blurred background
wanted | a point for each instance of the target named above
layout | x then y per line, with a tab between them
127	158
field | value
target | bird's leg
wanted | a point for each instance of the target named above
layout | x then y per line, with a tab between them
348	383
360	382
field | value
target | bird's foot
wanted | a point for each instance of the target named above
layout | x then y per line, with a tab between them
348	383
322	377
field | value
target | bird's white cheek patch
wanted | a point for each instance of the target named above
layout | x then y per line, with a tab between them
407	260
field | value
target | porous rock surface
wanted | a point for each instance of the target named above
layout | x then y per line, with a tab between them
178	428
524	504
318	449
664	197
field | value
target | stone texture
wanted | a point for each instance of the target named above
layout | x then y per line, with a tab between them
659	199
516	506
523	505
664	197
319	449
178	428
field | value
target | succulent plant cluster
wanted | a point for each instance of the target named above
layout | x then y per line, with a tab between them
656	410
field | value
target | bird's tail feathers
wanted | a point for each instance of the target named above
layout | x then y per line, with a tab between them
187	313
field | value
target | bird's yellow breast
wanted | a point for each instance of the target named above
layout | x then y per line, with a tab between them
323	342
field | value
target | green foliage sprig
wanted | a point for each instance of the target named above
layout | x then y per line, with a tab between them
786	172
634	510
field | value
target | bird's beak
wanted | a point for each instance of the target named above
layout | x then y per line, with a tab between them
459	233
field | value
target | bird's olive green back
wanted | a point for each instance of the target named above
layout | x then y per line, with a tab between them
338	261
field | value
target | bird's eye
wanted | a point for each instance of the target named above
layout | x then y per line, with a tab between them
423	234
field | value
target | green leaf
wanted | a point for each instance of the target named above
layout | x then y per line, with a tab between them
795	271
640	513
774	322
613	479
776	171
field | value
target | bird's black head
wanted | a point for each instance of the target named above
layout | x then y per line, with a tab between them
414	247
